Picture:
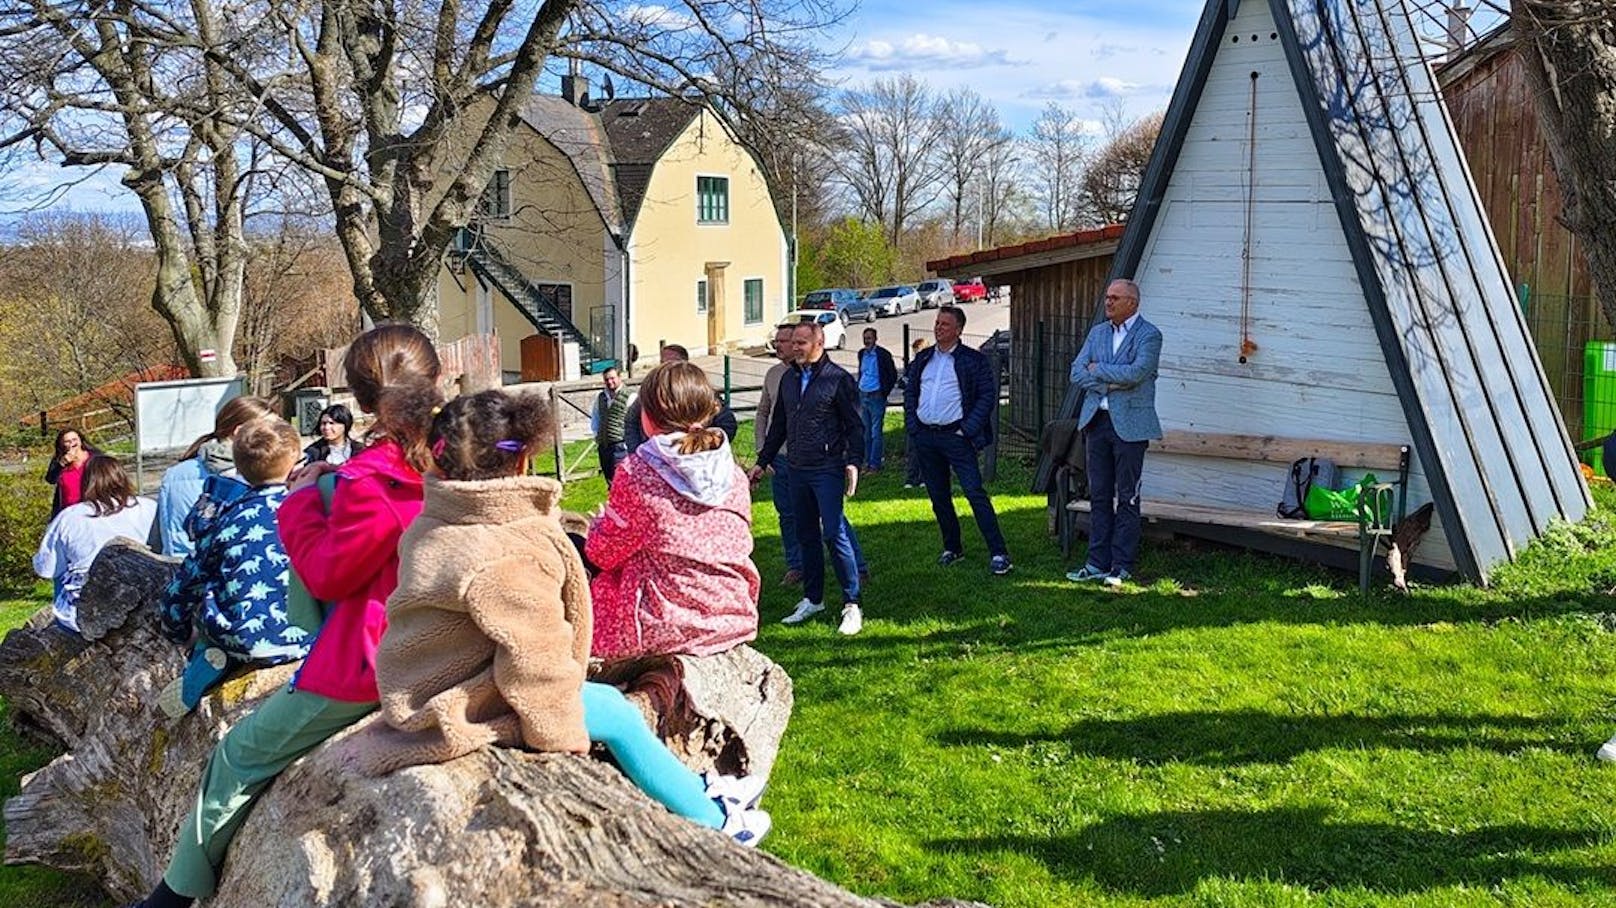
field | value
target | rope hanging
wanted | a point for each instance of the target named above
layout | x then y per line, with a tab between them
1247	345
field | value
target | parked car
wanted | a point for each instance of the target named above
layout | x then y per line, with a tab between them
934	293
895	300
971	291
997	347
847	303
835	333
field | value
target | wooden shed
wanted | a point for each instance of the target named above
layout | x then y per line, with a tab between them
1309	241
1046	278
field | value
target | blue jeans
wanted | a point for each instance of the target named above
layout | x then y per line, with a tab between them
939	452
1114	480
780	486
816	501
613	721
875	414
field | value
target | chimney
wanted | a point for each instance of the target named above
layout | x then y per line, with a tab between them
1458	27
574	87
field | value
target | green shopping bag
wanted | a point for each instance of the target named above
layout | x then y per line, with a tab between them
302	609
1338	504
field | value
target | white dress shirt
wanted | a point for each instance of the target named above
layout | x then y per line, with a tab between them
939	391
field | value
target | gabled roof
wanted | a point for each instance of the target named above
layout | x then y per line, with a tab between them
1479	411
640	131
614	149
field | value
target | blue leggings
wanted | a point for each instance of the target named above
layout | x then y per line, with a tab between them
613	721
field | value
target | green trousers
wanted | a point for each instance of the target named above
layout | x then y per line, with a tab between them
284	727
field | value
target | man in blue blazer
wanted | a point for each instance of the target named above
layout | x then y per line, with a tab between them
1117	371
948	400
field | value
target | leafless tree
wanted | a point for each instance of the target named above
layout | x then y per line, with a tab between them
297	298
888	156
132	85
971	127
1111	180
1003	183
1057	149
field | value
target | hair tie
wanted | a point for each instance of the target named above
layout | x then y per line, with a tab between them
510	446
436	410
437	448
695	427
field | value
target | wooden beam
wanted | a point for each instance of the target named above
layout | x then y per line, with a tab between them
1277	449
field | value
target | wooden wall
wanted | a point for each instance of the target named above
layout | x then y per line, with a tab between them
1495	117
1051	309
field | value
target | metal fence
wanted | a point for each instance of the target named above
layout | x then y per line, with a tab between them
1578	350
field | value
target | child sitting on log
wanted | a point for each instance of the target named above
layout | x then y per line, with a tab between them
228	602
488	633
673	547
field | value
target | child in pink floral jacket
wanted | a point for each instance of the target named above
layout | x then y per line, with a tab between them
673	546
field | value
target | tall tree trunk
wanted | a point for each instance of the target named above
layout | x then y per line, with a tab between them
197	327
1569	49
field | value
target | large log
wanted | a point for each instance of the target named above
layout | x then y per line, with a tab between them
499	827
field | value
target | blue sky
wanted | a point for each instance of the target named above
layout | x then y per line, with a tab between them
1019	54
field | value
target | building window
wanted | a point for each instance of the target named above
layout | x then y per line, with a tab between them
754	301
496	201
559	296
701	297
712	200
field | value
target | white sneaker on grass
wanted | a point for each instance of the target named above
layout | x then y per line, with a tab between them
735	793
852	620
1607	751
805	610
747	827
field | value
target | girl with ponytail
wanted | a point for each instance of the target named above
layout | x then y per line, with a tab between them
673	547
346	554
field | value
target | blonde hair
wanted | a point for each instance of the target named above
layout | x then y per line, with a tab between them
265	450
678	398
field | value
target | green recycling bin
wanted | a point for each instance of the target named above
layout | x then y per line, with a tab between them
1598	397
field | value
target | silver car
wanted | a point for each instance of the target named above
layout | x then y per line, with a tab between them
895	300
934	293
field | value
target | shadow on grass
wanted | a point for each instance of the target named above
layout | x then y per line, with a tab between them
1242	737
1169	853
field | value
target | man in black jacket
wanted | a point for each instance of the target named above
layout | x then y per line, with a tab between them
817	410
876	377
948	397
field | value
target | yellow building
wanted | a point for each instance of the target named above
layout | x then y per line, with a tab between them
629	224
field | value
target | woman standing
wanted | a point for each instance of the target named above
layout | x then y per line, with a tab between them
66	470
208	456
336	443
347	557
75	536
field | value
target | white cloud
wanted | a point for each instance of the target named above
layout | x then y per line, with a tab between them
653	15
1103	88
926	52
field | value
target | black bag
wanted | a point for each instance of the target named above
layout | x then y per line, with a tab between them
1063	442
1305	473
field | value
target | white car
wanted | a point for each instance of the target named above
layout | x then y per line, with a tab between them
934	293
895	300
835	333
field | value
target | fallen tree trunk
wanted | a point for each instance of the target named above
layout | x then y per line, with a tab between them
499	827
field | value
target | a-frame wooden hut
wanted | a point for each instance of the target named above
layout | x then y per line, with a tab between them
1308	240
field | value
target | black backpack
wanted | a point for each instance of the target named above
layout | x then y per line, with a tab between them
1305	473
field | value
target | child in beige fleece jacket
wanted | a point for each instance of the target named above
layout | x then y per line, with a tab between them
489	630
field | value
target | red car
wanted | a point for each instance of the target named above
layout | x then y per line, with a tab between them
971	291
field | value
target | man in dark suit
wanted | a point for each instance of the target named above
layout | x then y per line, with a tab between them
948	397
1117	371
876	377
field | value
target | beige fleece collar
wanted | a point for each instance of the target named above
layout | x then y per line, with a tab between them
494	501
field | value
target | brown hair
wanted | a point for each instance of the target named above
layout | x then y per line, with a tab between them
61	438
678	398
489	434
237	412
107	489
393	372
265	450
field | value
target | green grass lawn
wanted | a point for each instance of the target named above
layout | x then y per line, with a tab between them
1240	731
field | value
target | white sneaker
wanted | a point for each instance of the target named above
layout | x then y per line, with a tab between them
852	620
735	793
1607	751
805	610
747	827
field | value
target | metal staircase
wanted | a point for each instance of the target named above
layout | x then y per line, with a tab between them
477	251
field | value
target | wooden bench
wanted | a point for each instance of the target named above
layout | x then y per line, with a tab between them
1381	508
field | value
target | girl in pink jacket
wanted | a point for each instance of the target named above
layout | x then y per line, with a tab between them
673	546
347	558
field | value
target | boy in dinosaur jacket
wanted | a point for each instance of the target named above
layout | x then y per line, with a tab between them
228	603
